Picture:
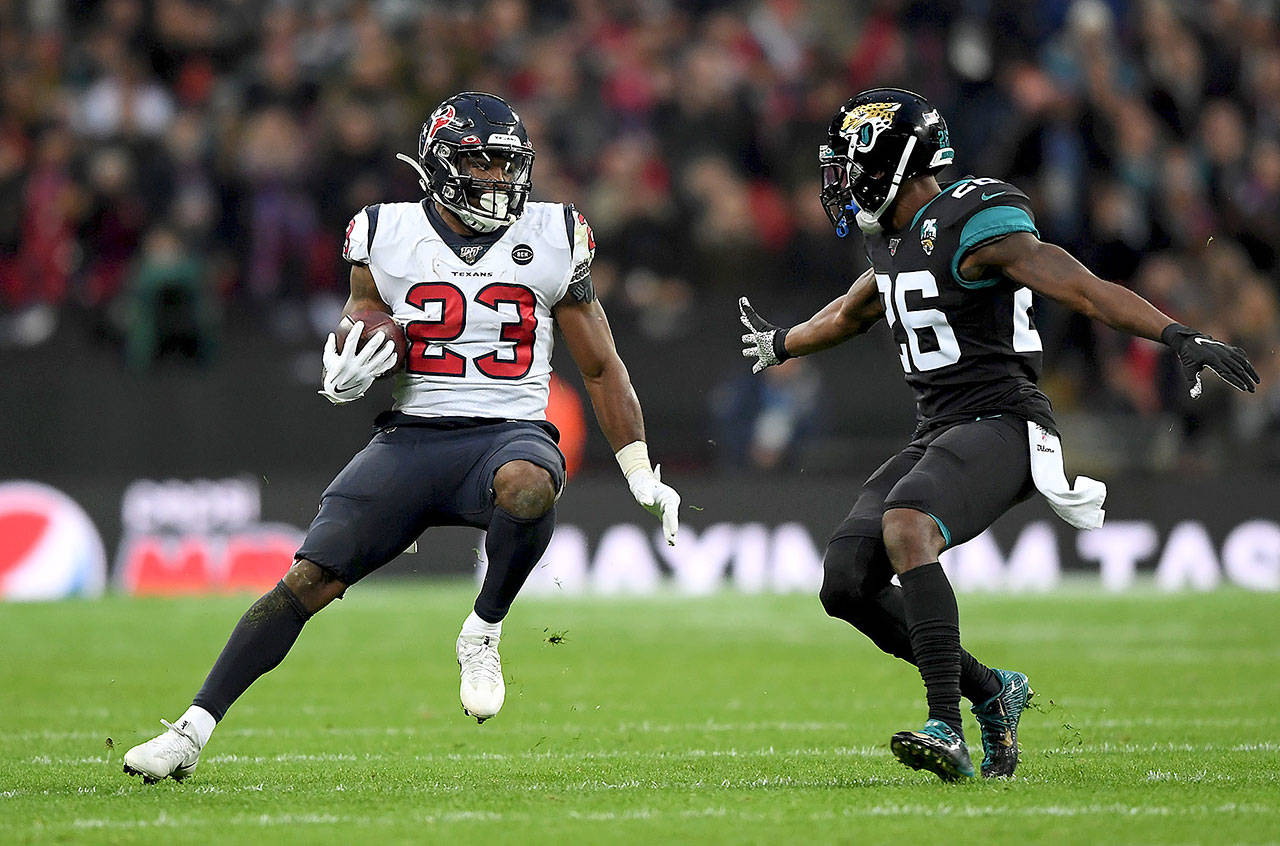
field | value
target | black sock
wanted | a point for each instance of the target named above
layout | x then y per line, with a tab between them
257	645
849	593
513	545
933	623
977	682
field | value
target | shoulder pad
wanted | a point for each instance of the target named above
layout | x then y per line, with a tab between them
988	212
964	198
358	243
582	245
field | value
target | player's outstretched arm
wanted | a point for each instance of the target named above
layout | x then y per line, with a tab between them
1050	270
587	335
349	370
838	321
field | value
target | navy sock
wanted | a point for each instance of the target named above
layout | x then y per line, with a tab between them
257	645
933	623
513	546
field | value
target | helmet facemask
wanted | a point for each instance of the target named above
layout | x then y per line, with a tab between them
863	185
485	185
876	141
475	160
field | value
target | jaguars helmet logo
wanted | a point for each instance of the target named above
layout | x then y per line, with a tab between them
863	125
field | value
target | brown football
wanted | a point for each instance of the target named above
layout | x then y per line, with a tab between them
375	323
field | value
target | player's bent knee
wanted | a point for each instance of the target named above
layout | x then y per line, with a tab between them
314	586
849	574
523	489
836	596
911	537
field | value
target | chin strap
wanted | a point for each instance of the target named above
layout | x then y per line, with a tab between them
471	220
421	173
869	222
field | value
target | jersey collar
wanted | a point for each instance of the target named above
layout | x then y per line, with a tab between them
469	248
920	213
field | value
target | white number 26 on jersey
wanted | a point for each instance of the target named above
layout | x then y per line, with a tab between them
893	293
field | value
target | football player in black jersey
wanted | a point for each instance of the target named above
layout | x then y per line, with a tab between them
953	271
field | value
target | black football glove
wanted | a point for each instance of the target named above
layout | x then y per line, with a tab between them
1197	350
765	342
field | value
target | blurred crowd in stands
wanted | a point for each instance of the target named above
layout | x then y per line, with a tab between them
192	157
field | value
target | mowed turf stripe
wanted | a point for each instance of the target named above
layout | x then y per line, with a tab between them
670	754
164	820
1078	722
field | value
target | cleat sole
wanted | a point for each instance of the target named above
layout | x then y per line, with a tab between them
919	757
479	719
147	778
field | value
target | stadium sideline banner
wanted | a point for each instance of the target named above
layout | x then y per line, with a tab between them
751	534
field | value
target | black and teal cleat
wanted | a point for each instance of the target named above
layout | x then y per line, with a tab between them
998	718
936	748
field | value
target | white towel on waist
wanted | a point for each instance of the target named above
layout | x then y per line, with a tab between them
1081	504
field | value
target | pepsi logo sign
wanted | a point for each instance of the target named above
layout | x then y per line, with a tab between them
200	536
49	548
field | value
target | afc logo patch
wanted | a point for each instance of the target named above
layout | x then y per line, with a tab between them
522	254
928	232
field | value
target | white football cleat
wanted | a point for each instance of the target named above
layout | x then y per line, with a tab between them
173	754
482	689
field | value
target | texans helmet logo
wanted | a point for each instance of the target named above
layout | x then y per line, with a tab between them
438	121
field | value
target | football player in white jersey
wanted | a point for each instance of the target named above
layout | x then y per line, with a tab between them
478	277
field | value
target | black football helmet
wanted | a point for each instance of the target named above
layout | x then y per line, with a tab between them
877	140
474	131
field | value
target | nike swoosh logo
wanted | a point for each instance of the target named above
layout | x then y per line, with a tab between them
1209	341
992	196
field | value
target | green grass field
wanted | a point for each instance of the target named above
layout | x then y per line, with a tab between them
728	719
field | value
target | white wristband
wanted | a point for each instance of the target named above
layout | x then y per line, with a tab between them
634	457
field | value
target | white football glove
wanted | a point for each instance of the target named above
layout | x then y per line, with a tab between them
658	499
349	373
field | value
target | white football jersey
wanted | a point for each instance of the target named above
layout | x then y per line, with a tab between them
476	311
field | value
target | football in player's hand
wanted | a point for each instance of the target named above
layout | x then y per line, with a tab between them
375	323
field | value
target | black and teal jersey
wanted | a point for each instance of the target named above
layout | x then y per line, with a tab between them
968	348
